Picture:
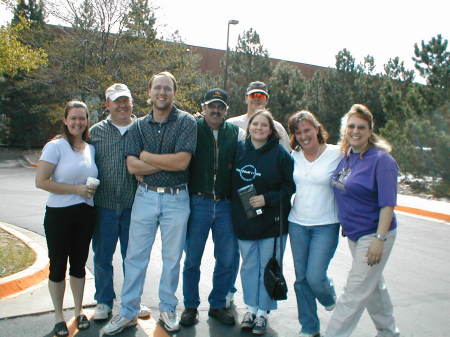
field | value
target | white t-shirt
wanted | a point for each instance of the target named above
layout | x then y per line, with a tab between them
71	167
122	129
242	122
314	202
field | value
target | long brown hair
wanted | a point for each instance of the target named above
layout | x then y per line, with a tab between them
66	134
266	113
302	116
362	112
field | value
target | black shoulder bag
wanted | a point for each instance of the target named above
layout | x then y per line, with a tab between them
273	273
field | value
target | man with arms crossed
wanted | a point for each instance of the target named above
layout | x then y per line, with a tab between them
159	148
114	197
210	188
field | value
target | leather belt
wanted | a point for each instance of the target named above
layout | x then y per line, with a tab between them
215	197
169	190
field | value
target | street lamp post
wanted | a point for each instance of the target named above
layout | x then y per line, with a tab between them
225	77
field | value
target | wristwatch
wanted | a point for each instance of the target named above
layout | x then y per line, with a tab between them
381	237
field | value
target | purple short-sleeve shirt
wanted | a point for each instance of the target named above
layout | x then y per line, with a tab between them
362	187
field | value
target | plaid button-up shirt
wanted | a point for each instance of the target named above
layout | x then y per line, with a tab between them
178	133
117	186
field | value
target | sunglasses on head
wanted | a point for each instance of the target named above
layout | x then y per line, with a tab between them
257	95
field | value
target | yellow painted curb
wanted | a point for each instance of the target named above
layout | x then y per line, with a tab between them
36	273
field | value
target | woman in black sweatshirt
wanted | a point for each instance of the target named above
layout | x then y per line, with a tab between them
262	162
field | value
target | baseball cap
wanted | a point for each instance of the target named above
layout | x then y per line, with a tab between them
257	86
117	90
216	95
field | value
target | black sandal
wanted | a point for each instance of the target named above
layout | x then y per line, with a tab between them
60	329
83	322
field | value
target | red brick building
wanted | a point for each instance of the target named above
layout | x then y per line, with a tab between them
210	61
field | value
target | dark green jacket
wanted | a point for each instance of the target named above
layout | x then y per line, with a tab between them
208	172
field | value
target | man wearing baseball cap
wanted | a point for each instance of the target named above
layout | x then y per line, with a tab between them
256	98
114	197
210	188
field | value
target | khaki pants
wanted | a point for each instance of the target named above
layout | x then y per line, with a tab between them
365	288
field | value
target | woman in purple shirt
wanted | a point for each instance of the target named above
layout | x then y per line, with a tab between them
365	187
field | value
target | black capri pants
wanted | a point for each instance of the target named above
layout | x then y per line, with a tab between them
68	231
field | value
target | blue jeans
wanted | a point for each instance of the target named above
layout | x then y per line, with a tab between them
208	214
236	262
312	249
255	255
112	225
151	209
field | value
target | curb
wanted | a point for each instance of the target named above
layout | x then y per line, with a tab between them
19	282
421	212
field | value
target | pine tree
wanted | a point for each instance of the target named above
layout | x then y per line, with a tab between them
31	10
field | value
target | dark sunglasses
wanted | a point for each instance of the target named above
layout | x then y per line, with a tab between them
257	95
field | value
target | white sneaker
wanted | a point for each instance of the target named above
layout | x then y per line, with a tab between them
144	312
102	312
229	299
170	320
117	324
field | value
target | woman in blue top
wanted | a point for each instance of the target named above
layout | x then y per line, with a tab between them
262	162
63	168
365	186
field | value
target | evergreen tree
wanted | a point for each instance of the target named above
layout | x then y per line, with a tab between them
432	60
31	10
247	63
287	86
140	20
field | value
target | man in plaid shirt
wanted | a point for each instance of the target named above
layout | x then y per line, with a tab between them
114	197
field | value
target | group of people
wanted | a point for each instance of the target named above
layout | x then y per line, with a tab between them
185	176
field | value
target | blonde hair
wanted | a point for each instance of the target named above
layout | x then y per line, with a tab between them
302	116
362	112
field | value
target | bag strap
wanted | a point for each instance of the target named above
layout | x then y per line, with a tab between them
279	235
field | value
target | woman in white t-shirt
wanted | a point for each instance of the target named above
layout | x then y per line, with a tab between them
63	168
313	221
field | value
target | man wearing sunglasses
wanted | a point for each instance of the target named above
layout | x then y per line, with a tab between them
257	98
210	188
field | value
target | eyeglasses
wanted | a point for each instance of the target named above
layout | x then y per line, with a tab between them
258	95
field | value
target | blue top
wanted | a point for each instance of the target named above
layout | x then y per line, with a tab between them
362	187
178	133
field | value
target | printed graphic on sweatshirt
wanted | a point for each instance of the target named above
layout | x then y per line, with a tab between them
248	173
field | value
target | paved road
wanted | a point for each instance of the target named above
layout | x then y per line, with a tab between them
418	275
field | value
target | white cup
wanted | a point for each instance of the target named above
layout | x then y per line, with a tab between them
92	182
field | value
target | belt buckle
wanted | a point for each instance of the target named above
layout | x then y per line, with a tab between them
160	190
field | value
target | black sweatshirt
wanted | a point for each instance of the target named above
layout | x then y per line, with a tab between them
270	170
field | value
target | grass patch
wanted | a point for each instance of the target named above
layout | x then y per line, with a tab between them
14	254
